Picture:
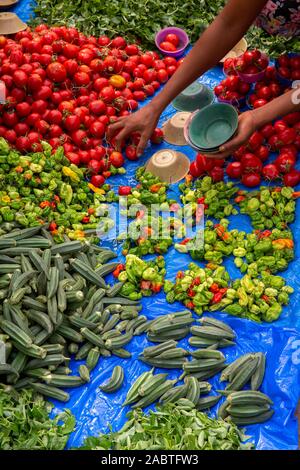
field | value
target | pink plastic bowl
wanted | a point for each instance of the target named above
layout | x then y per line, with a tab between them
255	77
182	36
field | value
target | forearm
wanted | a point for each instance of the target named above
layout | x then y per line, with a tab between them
287	103
219	38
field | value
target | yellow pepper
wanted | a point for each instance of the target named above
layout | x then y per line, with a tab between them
96	190
281	243
5	199
71	174
117	81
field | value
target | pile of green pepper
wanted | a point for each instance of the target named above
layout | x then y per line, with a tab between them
199	289
150	190
268	250
149	235
141	278
44	187
216	197
213	243
259	299
268	207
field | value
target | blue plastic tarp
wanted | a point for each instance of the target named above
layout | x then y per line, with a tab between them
96	411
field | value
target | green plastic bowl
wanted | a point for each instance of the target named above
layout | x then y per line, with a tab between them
213	126
195	96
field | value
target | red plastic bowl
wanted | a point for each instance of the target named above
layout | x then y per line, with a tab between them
255	77
182	36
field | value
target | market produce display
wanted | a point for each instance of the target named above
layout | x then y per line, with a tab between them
66	88
142	23
169	428
25	423
44	187
66	299
57	303
141	278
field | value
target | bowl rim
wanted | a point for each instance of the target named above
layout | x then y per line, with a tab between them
187	125
174	29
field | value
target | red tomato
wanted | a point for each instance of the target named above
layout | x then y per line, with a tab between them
23	109
284	72
280	125
173	39
94	166
287	136
275	89
267	131
264	93
57	72
255	140
285	162
274	142
244	88
10	136
116	159
262	153
158	136
96	180
204	164
292	118
232	83
270	172
167	46
292	178
39	107
250	163
162	76
97	107
107	94
23	144
219	89
97	129
72	122
290	149
217	174
82	79
194	170
130	152
259	103
73	158
20	78
251	179
131	49
21	128
234	169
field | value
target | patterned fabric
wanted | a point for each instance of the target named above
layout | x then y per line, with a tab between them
280	17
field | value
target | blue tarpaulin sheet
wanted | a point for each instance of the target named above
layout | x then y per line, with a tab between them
96	411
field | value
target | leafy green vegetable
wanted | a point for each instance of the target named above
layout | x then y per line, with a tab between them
171	427
136	20
25	423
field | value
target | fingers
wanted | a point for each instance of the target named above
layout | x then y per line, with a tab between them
142	143
218	155
113	128
121	136
232	145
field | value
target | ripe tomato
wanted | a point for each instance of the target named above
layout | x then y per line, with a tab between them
285	162
39	106
131	49
259	103
264	93
23	109
292	118
173	39
279	126
219	89
284	72
20	78
251	179
292	178
116	159
251	163
204	164
97	180
97	129
158	136
94	166
232	83
82	79
56	72
162	76
287	136
167	46
107	94
194	170
10	136
275	89
274	142
270	172
262	153
255	140
217	174
130	152
97	107
72	122
267	131
234	170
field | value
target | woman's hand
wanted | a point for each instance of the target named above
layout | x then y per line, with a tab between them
246	127
143	121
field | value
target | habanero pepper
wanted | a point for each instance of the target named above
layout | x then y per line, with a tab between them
217	298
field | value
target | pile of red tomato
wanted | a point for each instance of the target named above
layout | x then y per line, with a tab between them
170	43
232	88
288	67
248	163
66	88
284	137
